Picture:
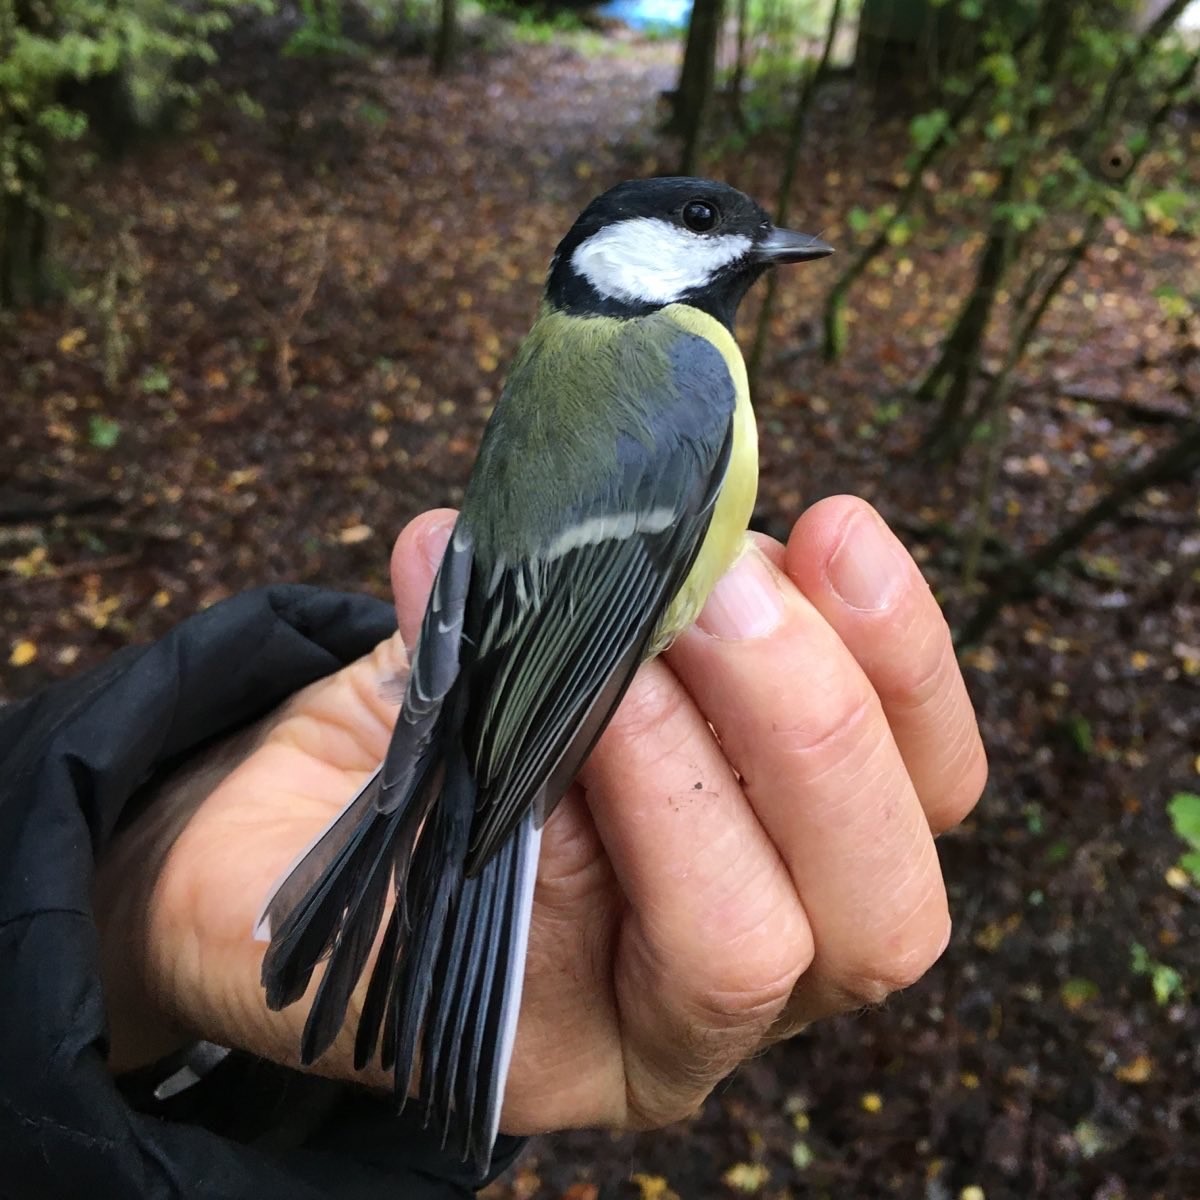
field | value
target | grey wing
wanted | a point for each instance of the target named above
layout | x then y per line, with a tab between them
559	637
435	669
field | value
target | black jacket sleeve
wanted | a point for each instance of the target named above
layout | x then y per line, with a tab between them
71	758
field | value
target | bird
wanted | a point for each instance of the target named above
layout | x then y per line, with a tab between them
612	489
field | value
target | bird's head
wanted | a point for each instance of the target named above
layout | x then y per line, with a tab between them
647	243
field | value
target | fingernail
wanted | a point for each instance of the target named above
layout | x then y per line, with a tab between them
867	570
433	541
745	603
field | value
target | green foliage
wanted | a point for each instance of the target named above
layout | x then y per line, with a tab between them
103	432
1184	810
1165	982
48	52
539	26
320	34
1174	304
1079	729
1055	102
155	380
371	114
926	128
1173	209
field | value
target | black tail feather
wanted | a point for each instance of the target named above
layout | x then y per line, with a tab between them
447	980
303	938
378	991
352	947
443	1022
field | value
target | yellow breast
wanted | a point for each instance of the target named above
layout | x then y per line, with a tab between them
725	537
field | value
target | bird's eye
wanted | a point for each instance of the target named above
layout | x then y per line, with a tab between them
699	216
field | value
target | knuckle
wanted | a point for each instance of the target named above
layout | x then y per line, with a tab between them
649	1107
876	977
834	728
722	1024
740	1001
918	676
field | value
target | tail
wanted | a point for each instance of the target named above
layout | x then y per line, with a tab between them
447	980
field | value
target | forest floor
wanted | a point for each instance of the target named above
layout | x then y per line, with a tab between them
308	322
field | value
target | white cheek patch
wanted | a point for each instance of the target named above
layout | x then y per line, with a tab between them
645	260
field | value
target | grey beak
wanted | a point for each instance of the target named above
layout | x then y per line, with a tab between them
787	246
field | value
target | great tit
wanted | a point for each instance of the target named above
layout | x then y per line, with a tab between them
612	490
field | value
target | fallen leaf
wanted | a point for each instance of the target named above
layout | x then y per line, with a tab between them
652	1187
23	653
1137	1071
355	534
746	1177
72	340
581	1191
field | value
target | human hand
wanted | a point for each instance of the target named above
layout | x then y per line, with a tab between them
749	847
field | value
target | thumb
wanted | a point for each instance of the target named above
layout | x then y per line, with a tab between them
415	559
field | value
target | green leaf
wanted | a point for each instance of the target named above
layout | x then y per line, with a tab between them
103	432
1174	304
1166	983
926	128
1080	730
899	231
1184	808
156	380
888	412
1128	210
1022	215
1191	864
63	124
372	114
1002	67
858	219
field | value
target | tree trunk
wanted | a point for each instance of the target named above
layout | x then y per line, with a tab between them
804	100
738	83
24	225
696	77
24	243
445	45
949	380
